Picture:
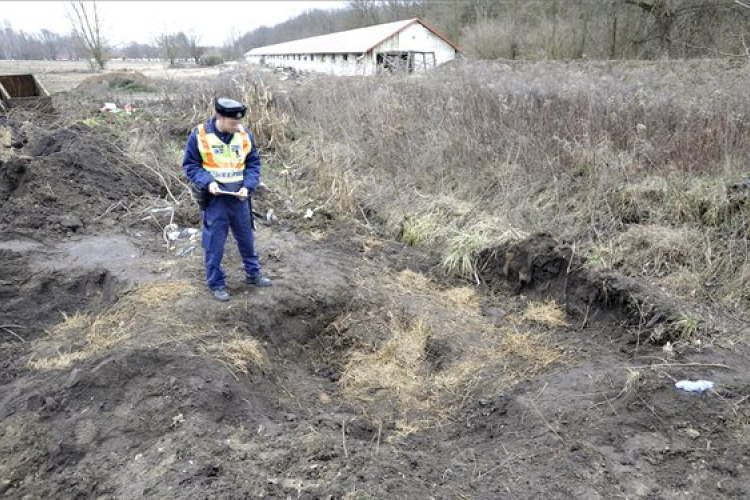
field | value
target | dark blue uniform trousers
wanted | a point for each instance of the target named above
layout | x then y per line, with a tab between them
222	213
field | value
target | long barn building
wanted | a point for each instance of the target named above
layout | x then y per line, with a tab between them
404	46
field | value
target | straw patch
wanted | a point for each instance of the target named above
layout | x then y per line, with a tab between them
149	308
465	299
545	313
400	381
240	353
394	372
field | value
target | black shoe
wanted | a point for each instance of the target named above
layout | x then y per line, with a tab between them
221	294
259	281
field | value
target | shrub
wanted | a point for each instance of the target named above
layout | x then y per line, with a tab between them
211	59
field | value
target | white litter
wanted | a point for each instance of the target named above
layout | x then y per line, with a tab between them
695	386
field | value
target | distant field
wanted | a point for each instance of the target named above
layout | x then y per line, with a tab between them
60	76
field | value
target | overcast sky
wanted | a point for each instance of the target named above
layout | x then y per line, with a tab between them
141	21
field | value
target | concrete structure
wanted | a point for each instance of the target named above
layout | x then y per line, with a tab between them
23	91
407	46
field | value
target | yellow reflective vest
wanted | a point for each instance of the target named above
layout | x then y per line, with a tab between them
225	162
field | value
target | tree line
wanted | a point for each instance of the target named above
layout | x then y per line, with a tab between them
48	45
547	29
485	29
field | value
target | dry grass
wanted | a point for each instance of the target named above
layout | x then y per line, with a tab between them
269	127
437	354
546	313
656	250
240	353
462	300
586	151
531	352
633	381
149	316
149	309
461	253
396	368
422	229
686	328
334	180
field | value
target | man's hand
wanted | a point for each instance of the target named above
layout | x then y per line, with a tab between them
242	193
213	188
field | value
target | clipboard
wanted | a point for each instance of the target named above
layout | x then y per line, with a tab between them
231	193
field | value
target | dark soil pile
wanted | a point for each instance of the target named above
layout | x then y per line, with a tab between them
124	80
32	299
140	421
540	265
68	181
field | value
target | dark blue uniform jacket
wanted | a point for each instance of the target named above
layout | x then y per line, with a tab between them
193	164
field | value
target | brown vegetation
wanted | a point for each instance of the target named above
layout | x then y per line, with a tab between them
640	166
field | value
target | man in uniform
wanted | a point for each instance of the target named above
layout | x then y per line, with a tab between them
222	162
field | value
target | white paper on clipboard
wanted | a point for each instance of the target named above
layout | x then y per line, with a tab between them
231	193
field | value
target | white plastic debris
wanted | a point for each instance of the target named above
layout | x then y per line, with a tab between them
186	251
309	213
162	210
178	420
187	233
110	107
695	386
173	235
270	217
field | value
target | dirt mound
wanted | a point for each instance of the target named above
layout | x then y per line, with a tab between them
160	396
69	181
540	264
33	299
124	80
12	137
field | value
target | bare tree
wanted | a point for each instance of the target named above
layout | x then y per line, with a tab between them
233	48
52	43
364	12
183	46
9	39
87	28
669	17
195	50
168	44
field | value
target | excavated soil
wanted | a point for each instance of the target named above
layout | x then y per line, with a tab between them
69	181
125	80
155	412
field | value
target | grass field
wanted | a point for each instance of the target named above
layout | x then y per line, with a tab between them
60	76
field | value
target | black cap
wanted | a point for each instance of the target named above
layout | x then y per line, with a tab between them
230	108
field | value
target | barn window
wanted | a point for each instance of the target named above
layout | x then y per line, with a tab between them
333	57
312	57
346	57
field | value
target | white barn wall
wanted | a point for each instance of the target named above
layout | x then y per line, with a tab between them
414	37
417	38
352	66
